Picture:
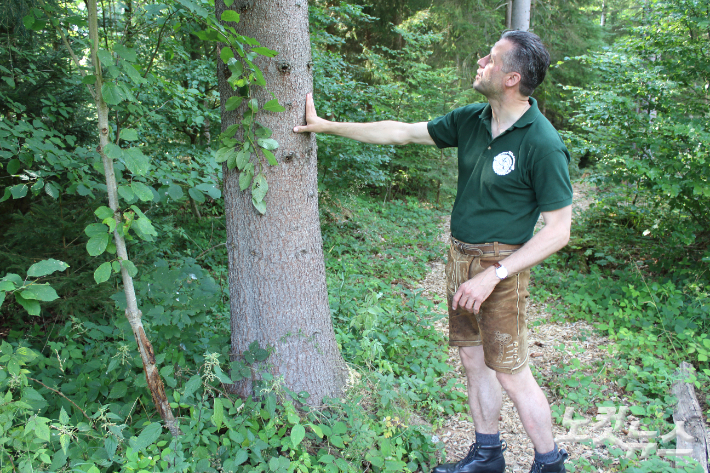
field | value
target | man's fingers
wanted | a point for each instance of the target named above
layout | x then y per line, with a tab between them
457	296
477	307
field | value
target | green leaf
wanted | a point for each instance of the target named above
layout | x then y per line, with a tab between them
223	154
110	444
260	206
30	305
112	94
143	192
259	188
192	385
253	105
129	54
233	103
298	432
230	15
175	191
40	292
245	176
28	21
130	267
7	285
265	51
270	157
128	134
13	166
96	229
242	159
2	296
52	190
127	193
230	131
273	106
196	195
144	229
18	191
63	417
89	79
97	244
260	81
105	57
236	68
103	212
148	436
102	273
241	456
118	391
267	143
638	410
218	415
46	267
210	190
226	54
232	162
7	195
136	161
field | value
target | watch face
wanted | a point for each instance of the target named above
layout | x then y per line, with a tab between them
501	272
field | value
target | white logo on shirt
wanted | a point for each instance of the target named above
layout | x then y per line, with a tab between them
504	163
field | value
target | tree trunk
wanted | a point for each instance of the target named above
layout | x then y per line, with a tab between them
276	268
509	15
521	15
133	314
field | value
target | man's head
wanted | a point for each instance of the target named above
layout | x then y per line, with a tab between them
518	58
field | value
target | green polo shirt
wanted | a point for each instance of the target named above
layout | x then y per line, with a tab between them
504	183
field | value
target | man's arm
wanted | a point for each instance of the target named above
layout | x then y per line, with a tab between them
550	239
379	133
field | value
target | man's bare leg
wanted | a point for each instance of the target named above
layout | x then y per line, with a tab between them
484	393
532	405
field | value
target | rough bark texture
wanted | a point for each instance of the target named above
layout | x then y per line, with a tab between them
521	15
688	411
276	269
133	314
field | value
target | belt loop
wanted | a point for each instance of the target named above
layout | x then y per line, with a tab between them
495	248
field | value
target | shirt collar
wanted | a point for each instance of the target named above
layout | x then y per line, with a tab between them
526	119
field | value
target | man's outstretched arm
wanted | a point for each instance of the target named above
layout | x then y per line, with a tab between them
379	133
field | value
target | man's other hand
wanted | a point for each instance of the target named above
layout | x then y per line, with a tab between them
314	124
475	291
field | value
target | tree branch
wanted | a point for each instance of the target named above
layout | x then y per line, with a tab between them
62	394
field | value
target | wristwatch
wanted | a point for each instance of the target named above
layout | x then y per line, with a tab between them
501	271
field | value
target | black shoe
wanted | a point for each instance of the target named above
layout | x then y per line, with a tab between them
479	459
557	466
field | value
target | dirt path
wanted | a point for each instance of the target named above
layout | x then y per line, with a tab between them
551	344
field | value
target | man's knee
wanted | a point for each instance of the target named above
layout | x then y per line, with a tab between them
513	383
472	358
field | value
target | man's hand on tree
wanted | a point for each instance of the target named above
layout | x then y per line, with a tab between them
473	292
314	124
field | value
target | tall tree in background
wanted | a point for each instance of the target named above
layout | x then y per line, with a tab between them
276	269
521	15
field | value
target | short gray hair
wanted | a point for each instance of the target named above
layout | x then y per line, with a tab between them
528	57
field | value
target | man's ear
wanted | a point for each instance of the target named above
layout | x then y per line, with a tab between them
512	78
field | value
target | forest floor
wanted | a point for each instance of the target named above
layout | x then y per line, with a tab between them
551	344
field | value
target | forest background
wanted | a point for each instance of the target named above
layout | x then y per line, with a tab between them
628	90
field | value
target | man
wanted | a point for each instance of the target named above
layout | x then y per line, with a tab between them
512	168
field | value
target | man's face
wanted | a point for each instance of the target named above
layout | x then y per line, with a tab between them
490	77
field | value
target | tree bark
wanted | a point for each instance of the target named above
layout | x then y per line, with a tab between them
521	15
276	268
509	15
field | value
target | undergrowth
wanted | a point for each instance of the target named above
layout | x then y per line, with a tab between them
74	397
649	295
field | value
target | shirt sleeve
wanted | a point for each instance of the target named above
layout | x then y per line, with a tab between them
444	130
551	182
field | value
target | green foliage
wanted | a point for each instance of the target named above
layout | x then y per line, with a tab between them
645	120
